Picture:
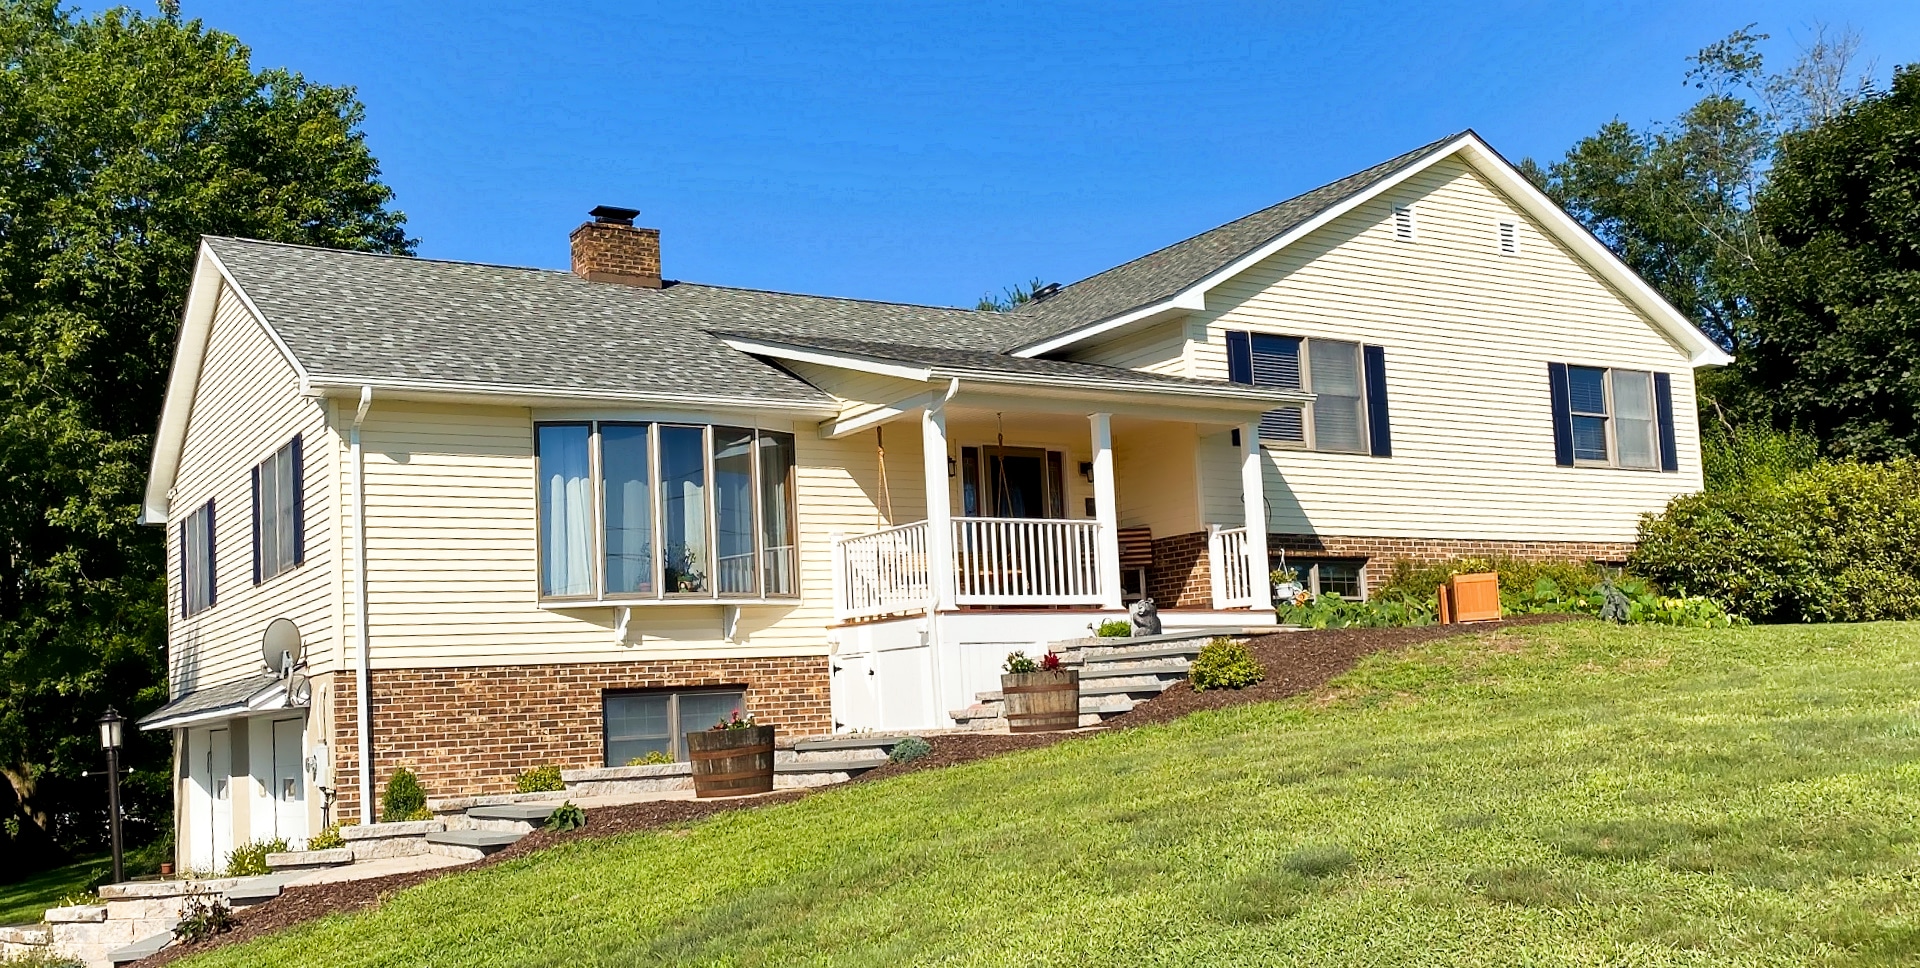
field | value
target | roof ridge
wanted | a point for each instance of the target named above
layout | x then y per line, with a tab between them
397	256
1399	159
857	299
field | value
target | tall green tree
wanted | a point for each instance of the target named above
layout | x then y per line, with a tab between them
123	139
1836	327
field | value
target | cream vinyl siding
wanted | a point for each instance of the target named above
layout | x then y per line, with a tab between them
248	406
1156	476
1156	348
1468	333
452	545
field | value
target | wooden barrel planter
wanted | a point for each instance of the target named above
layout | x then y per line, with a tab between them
1039	702
731	762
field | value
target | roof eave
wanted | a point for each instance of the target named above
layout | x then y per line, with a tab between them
447	391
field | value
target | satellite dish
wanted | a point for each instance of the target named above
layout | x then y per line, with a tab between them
280	646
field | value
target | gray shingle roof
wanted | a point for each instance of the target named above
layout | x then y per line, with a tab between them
212	699
1159	275
989	365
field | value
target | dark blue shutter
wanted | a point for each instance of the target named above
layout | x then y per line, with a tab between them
1663	410
257	514
1379	430
1562	414
299	505
1239	356
183	567
213	569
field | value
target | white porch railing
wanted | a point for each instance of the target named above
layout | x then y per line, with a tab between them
1227	568
995	561
1026	561
883	573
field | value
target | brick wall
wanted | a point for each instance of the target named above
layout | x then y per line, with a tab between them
605	252
469	730
1381	553
1179	576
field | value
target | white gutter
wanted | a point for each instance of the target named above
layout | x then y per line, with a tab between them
364	694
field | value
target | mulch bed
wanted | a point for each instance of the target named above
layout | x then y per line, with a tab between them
1296	662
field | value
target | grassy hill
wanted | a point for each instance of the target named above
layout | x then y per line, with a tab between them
1563	795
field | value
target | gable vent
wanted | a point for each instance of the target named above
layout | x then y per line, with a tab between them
1509	238
1403	222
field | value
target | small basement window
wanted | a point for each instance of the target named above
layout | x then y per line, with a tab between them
640	723
1345	578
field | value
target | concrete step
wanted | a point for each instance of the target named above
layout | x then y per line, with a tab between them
142	948
254	890
858	741
1181	648
1118	686
534	813
1107	669
310	860
850	764
469	844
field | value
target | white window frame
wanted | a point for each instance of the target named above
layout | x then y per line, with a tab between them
597	594
1309	439
676	728
1612	419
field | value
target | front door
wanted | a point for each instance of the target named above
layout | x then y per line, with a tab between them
287	789
1022	482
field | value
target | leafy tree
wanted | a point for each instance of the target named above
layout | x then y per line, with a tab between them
1837	291
123	139
1011	298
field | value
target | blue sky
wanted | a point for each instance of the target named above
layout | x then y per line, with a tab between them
930	152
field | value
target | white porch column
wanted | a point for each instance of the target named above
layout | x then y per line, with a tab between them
1106	509
1253	491
933	445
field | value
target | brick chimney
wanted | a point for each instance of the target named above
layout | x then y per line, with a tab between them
611	249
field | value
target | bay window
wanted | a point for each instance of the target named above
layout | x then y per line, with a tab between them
669	511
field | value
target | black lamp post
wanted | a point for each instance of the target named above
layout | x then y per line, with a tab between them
111	725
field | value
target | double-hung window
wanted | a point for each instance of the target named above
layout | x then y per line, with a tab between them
632	510
1348	413
279	515
1612	417
197	592
643	723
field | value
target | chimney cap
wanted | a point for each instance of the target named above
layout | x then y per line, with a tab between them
613	214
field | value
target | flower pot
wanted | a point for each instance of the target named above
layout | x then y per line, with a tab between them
1039	702
731	762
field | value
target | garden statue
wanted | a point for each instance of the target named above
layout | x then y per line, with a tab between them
1146	618
1614	605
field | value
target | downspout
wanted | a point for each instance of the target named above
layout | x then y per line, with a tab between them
364	694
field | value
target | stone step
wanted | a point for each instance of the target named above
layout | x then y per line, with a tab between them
142	948
1184	648
851	764
309	860
859	741
1100	705
1135	667
469	844
1104	687
534	813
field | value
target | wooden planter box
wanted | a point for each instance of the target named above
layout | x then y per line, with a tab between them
1039	702
731	762
1470	598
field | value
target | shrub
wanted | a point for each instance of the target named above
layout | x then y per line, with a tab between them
250	859
540	779
1421	581
40	959
653	758
564	817
328	839
1334	612
1114	628
202	918
909	749
1018	664
1753	456
404	799
1835	543
1225	664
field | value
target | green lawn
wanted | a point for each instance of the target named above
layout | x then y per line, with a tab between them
1565	795
23	902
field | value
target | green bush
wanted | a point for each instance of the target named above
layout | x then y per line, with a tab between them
1019	663
1421	581
909	749
404	799
250	859
1114	628
653	758
328	839
564	817
540	779
1225	664
1753	456
1334	612
1835	543
40	959
202	918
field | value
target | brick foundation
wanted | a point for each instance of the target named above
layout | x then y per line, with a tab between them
1381	553
468	731
1179	576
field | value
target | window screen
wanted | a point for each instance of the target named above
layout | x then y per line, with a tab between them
1587	392
1635	429
1335	371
